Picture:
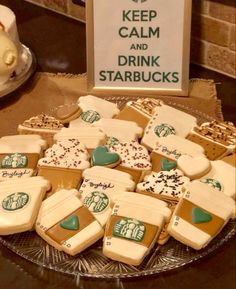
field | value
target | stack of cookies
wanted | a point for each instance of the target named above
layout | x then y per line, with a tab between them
134	177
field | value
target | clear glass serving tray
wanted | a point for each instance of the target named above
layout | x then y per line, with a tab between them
92	263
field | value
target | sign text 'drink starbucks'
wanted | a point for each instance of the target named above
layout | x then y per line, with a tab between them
138	46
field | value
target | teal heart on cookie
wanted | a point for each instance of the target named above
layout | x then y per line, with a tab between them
167	165
199	216
71	223
102	157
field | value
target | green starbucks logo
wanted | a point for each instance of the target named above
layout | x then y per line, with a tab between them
213	183
96	202
16	160
139	1
90	116
15	201
111	141
164	130
130	229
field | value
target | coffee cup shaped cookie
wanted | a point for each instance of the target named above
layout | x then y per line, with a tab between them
166	121
43	125
64	223
230	159
168	149
119	130
90	137
135	159
222	178
93	108
100	188
140	110
18	159
20	201
200	215
63	164
217	138
133	228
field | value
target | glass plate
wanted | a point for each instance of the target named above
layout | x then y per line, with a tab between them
92	263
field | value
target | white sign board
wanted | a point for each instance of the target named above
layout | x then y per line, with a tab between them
138	46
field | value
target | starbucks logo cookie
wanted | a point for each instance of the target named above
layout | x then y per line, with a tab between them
16	160
15	201
213	183
164	130
96	202
90	116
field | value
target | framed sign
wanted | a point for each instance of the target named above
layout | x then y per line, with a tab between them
138	46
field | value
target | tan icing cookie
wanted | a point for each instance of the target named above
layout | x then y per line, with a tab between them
64	223
67	112
20	201
217	138
43	125
141	110
63	164
200	215
231	160
135	159
194	167
167	121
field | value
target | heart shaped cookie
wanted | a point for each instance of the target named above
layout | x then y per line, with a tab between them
194	167
167	165
71	223
102	157
199	216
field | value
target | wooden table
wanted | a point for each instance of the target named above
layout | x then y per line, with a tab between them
59	45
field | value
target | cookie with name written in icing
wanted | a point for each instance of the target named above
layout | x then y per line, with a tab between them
133	227
66	224
93	109
19	156
170	148
217	138
44	125
20	201
135	159
167	121
200	215
63	164
100	188
140	110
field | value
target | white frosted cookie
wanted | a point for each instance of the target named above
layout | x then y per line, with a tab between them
217	138
140	110
63	164
168	149
165	185
194	167
133	228
135	159
64	223
18	159
43	125
20	201
90	137
100	187
119	130
200	215
94	108
166	121
222	177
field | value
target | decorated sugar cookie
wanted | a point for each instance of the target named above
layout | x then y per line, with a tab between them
167	121
100	188
93	109
20	201
64	223
230	159
217	138
200	215
67	112
101	156
133	228
135	159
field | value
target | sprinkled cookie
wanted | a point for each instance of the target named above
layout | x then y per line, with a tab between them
200	215
64	223
217	138
20	201
93	108
135	159
133	228
43	125
63	164
100	187
167	121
